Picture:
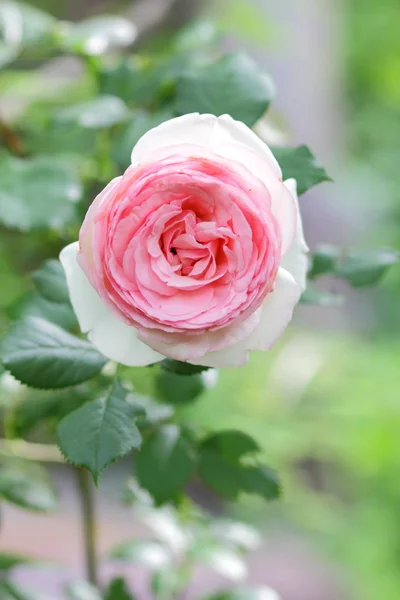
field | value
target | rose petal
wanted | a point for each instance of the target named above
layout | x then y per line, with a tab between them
296	258
276	313
107	332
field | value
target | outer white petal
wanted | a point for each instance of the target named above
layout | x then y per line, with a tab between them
232	140
296	258
118	341
277	311
87	304
108	333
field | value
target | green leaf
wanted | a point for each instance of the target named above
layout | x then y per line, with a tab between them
165	463
14	591
181	368
300	164
130	133
320	298
234	84
247	593
102	112
231	444
38	192
98	35
82	590
365	267
10	561
100	432
148	411
42	355
51	283
222	468
118	590
27	486
146	552
176	389
21	27
38	406
34	305
324	260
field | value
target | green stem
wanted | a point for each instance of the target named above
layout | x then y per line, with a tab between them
85	488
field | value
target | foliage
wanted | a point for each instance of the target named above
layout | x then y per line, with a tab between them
62	138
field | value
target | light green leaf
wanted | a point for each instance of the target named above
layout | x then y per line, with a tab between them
98	35
146	552
102	112
42	355
21	27
34	305
255	593
10	561
82	590
365	267
36	406
165	463
100	432
51	283
118	590
27	486
130	133
38	192
234	85
149	412
300	164
324	260
321	298
15	591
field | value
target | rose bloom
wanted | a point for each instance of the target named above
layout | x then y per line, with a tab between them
195	253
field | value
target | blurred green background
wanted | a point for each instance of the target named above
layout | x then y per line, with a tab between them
324	403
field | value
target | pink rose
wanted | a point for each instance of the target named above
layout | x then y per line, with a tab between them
195	253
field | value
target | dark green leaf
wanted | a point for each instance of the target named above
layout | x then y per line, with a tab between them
118	590
300	164
177	389
231	444
234	85
365	267
51	283
37	192
181	368
222	468
262	481
100	432
98	35
9	561
27	486
143	82
42	355
104	111
81	590
165	463
146	552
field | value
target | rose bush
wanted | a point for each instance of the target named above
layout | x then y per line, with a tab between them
196	253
